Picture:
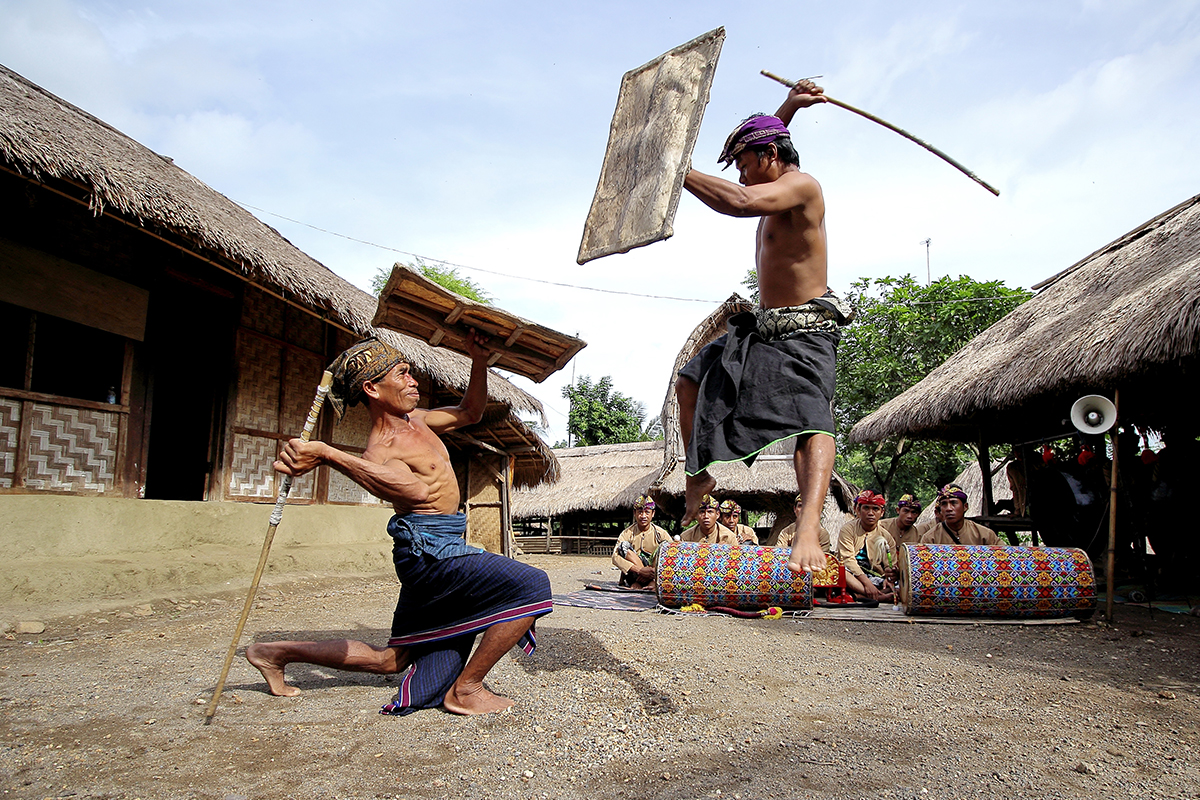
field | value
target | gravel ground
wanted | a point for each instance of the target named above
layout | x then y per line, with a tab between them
107	703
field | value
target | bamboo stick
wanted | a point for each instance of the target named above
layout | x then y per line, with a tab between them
310	424
891	127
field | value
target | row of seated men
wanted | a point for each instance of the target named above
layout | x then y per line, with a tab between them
868	546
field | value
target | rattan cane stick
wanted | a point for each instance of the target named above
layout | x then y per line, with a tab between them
310	424
891	127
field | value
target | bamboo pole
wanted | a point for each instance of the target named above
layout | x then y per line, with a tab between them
310	424
891	127
1110	560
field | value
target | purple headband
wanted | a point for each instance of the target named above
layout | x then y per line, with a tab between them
908	501
708	501
754	130
952	490
643	501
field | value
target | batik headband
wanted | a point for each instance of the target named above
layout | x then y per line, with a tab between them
369	360
643	501
729	507
754	130
868	498
908	501
708	501
952	490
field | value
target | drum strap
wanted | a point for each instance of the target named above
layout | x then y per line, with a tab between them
946	528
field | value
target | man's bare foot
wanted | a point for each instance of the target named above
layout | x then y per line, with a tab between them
474	700
807	555
263	657
695	487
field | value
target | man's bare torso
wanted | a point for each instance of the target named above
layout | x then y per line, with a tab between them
790	250
422	451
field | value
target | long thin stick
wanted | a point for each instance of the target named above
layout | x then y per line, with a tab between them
900	131
310	424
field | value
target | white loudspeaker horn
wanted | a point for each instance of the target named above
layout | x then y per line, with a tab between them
1093	413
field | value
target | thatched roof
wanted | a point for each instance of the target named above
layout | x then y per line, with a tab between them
47	140
773	474
606	477
1127	317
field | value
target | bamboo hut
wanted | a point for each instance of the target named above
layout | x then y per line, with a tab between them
769	485
159	340
592	501
1124	322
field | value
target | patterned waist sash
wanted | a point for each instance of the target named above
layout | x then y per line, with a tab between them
825	313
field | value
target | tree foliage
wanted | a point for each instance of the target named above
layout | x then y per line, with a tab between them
445	276
902	331
600	415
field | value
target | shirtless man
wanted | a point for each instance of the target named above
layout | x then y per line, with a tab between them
782	353
450	591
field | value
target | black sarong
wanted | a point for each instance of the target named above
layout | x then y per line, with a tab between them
755	392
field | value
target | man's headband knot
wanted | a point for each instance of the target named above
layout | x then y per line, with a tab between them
754	130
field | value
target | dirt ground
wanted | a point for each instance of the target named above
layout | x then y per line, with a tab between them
107	703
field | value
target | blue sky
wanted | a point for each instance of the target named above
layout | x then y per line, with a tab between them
473	133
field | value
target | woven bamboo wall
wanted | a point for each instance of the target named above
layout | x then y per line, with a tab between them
484	513
10	419
72	449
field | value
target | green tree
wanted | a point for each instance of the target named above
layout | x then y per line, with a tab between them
445	276
600	415
902	331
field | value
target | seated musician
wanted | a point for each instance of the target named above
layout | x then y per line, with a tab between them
637	545
708	529
866	550
903	526
787	534
731	515
926	527
955	528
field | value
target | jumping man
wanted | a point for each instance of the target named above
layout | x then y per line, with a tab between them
772	376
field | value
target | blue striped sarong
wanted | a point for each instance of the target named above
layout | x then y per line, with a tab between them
449	593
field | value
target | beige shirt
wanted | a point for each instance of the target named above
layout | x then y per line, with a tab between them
647	542
852	538
745	534
892	526
789	533
720	535
971	533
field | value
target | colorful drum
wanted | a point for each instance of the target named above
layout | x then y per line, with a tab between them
743	577
996	581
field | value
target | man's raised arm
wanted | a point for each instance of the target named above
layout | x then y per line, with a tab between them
474	402
804	94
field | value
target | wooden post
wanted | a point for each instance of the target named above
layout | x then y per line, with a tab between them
985	472
1110	561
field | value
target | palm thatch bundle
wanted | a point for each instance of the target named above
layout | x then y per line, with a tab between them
1126	317
602	478
45	139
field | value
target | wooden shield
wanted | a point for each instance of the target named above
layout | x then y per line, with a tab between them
415	305
650	145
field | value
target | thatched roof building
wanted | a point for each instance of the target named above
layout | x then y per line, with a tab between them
770	484
601	478
1126	317
205	330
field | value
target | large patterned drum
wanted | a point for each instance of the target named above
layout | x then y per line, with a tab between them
743	577
996	581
